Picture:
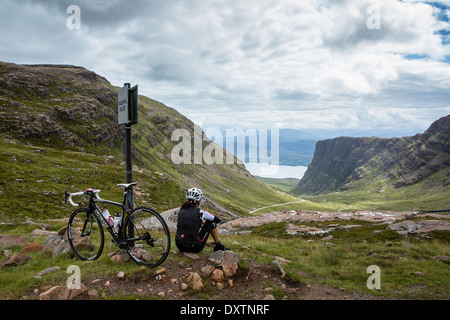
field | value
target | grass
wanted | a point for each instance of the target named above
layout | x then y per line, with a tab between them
408	270
405	265
285	185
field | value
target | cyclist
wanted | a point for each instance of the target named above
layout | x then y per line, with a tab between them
195	225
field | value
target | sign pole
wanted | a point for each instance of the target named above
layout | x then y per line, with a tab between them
127	116
128	160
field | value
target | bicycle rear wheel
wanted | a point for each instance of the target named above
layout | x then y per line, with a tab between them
85	234
147	237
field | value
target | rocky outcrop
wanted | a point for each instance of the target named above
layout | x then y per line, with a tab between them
417	227
58	243
345	163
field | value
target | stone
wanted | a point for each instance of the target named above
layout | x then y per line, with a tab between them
45	271
196	281
230	261
442	258
227	260
121	255
6	253
55	293
422	226
191	255
12	241
15	260
184	286
278	264
220	286
290	290
282	260
32	248
93	294
58	244
116	259
207	270
121	275
40	232
76	292
62	293
160	271
217	275
269	297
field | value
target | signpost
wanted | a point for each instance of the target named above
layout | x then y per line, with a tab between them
127	112
127	108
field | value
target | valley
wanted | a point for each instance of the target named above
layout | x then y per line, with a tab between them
59	132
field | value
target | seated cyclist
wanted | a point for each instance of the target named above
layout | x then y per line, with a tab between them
194	225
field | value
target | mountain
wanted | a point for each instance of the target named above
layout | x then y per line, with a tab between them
59	132
380	164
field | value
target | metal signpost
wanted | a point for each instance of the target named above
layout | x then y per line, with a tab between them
127	111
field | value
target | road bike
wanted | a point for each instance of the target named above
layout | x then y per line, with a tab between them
142	232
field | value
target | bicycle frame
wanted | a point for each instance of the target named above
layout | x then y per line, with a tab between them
94	200
97	211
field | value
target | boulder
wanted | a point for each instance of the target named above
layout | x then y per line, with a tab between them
31	248
227	261
196	281
62	293
14	260
423	226
58	244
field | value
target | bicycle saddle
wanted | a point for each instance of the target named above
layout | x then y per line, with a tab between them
127	185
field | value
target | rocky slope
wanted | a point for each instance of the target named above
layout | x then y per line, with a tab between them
349	163
68	110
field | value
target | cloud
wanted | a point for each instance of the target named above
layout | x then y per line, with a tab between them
253	63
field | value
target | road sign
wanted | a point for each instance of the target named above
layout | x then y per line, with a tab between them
127	106
122	108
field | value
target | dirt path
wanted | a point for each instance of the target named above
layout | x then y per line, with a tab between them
275	205
170	223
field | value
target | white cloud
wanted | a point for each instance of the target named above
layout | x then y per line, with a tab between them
251	63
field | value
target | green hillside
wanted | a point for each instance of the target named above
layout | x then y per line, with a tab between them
407	172
59	132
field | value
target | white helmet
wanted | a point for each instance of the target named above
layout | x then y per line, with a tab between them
194	194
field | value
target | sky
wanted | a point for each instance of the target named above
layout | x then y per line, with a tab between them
264	64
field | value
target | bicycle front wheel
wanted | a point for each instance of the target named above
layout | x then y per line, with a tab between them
85	234
147	237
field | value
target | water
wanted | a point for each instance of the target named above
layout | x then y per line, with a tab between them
275	171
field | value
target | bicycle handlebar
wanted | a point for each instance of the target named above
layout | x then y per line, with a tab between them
69	196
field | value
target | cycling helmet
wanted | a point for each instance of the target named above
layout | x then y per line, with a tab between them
194	194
